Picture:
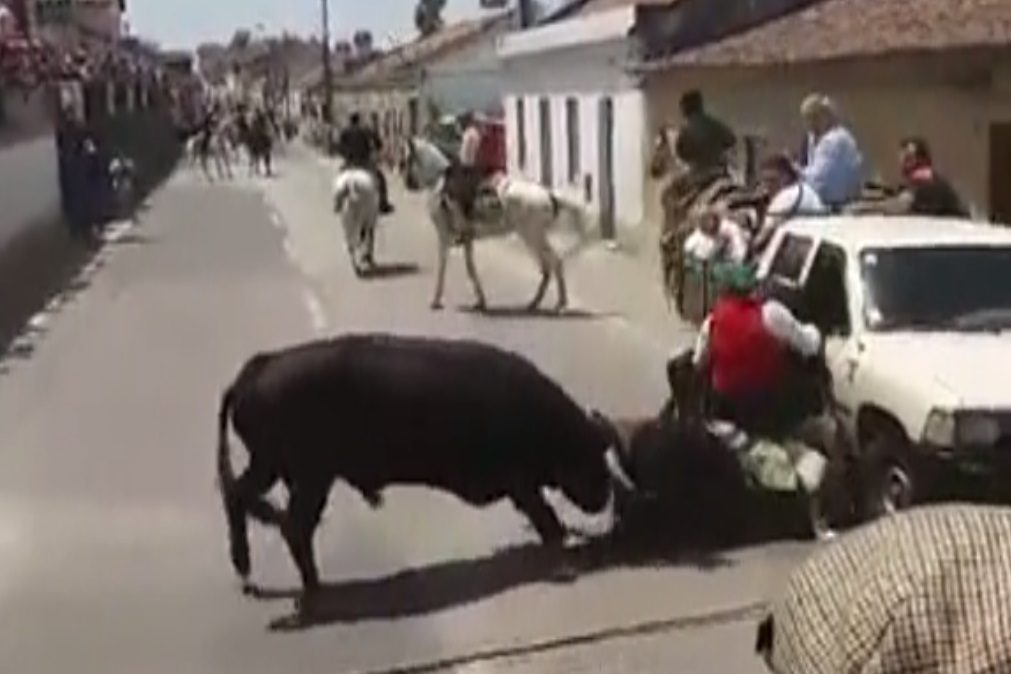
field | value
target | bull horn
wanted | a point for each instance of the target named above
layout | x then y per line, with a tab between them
615	444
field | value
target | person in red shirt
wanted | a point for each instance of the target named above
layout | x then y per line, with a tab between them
745	346
748	347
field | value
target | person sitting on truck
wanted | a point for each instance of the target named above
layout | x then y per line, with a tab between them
717	238
791	197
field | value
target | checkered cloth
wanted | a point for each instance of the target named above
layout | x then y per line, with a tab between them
927	591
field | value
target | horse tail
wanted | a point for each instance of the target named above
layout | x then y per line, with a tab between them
576	216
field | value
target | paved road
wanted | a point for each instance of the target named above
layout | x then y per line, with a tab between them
112	544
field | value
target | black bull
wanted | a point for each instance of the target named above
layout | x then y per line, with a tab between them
378	410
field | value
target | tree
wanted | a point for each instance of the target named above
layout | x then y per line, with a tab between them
362	41
241	39
428	16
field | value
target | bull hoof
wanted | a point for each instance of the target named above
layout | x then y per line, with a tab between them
307	604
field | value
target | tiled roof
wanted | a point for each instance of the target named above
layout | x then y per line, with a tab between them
424	49
841	29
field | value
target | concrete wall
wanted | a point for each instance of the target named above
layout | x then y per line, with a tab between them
952	101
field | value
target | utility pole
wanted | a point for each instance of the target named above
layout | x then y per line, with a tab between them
327	72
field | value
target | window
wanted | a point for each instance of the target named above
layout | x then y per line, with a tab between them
783	280
788	265
937	288
521	134
825	300
572	125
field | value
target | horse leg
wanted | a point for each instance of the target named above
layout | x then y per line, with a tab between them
468	256
559	271
542	288
440	276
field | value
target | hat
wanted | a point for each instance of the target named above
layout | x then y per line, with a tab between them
736	279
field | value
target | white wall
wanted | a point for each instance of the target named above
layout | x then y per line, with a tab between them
629	148
587	73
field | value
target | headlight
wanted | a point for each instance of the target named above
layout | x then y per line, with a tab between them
940	429
978	429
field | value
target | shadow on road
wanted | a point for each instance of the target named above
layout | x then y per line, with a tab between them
445	585
390	270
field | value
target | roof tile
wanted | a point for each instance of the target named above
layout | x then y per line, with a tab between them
837	29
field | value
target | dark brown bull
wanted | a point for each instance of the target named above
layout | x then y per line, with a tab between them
377	410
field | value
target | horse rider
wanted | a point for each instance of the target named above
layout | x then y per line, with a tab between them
703	143
834	165
745	348
463	178
359	146
790	197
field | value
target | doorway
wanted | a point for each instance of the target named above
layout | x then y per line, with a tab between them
547	149
606	154
1000	173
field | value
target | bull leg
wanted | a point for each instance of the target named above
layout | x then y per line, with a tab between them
468	256
243	498
304	511
541	516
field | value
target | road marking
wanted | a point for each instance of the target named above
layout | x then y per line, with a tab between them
467	663
316	314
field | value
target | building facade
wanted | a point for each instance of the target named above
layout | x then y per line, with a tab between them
895	68
575	118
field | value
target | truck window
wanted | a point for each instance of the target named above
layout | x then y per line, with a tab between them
788	264
825	302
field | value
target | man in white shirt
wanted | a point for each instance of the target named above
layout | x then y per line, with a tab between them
835	166
791	197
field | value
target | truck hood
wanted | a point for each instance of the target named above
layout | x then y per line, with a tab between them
974	369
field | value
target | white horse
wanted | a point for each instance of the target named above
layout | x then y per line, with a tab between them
356	199
523	207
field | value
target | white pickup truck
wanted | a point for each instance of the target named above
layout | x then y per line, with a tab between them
917	317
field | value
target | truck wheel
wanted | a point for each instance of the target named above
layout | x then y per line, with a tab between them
891	480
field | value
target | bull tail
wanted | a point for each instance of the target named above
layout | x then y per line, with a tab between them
235	511
226	474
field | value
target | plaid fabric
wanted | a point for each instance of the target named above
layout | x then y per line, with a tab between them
927	591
